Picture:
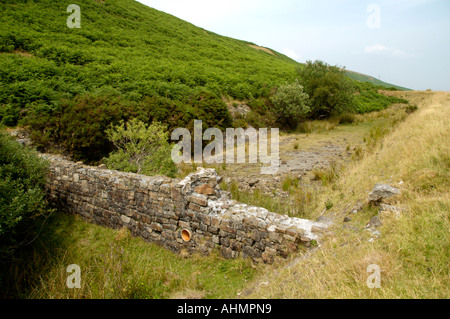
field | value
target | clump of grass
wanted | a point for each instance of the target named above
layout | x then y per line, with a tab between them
328	204
328	175
301	202
347	118
305	202
317	126
289	183
359	153
257	198
186	169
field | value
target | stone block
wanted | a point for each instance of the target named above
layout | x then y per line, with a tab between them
184	224
196	208
198	199
205	189
252	252
225	241
213	230
156	227
226	252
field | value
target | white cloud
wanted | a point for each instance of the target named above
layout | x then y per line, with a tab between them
292	54
382	49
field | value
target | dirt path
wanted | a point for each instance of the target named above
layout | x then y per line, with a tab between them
300	155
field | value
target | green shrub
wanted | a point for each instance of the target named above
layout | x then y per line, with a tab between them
140	149
22	198
9	115
411	109
290	104
369	99
329	90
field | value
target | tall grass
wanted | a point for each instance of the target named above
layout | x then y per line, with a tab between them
300	202
115	265
413	251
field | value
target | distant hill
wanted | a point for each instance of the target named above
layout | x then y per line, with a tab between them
370	79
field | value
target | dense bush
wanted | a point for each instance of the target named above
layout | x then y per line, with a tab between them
77	126
329	90
22	198
290	104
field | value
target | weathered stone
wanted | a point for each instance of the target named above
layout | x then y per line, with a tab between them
374	222
268	255
317	229
156	227
198	199
125	219
176	194
250	251
226	252
236	245
381	192
258	245
184	224
275	237
255	235
215	221
225	241
195	208
205	189
213	230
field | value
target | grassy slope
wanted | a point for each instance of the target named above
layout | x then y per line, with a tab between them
370	79
413	250
116	266
125	49
132	49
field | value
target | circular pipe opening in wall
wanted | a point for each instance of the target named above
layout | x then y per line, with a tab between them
186	235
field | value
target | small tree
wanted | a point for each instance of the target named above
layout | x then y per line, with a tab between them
290	104
141	149
329	90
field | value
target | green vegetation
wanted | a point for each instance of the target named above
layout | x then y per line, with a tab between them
370	79
141	149
127	60
75	89
175	72
115	265
290	104
330	92
22	197
368	99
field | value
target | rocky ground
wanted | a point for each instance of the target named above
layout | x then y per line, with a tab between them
300	156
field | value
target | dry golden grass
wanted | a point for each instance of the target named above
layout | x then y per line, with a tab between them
413	250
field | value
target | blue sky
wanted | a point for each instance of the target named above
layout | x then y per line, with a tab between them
404	42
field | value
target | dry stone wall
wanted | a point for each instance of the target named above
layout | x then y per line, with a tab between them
192	215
